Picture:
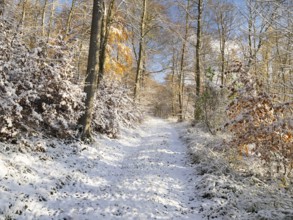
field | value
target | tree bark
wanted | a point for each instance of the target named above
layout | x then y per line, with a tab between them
91	77
173	83
181	73
197	47
51	20
106	25
222	47
69	19
140	51
197	54
44	17
250	36
23	14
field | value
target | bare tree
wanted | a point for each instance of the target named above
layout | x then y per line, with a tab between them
223	16
69	18
258	25
23	13
198	46
182	60
197	53
140	50
91	77
44	17
51	20
104	36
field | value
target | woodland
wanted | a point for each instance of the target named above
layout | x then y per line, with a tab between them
71	70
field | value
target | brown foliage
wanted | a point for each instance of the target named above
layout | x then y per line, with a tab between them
258	119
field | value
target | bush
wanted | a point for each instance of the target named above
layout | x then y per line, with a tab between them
210	107
259	120
114	108
37	89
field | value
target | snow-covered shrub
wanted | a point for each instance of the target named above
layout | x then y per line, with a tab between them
114	108
60	95
260	121
37	92
210	106
229	188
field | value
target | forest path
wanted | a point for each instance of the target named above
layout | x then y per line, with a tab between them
144	174
154	180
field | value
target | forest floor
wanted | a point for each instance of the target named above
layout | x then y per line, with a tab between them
144	174
159	170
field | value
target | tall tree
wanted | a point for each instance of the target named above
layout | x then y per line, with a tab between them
223	16
140	50
104	37
182	61
258	25
198	46
69	18
51	20
91	77
44	17
23	13
197	53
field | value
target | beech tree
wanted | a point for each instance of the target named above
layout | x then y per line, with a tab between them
182	61
198	45
197	57
104	37
224	17
91	77
256	119
141	49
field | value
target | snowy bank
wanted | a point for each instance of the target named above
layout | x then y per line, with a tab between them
234	187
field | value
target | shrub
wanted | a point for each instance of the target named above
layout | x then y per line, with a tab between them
114	108
259	120
37	88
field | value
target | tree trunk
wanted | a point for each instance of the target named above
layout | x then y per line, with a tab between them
250	37
44	17
51	20
69	19
197	61
173	83
222	47
181	73
106	25
23	14
140	51
143	71
198	46
91	77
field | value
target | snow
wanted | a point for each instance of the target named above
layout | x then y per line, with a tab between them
159	170
230	187
144	174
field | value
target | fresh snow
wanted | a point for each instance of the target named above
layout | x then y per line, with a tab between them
228	186
144	174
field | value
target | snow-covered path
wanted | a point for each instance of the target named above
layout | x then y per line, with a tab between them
142	175
153	181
